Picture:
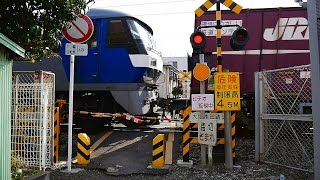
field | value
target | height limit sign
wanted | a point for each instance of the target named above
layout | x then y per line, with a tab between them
227	91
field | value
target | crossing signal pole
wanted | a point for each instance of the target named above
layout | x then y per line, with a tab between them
238	41
218	37
201	73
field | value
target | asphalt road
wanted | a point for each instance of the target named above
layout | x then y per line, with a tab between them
127	152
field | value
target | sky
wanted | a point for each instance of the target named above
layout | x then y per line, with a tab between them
172	21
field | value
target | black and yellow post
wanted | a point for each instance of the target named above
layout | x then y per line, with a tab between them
233	134
56	135
83	149
220	134
158	151
186	134
194	133
186	139
218	37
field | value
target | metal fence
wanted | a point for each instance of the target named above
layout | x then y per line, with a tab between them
32	118
284	126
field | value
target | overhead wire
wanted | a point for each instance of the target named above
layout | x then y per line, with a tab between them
151	3
157	14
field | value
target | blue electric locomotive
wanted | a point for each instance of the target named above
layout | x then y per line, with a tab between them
119	75
121	70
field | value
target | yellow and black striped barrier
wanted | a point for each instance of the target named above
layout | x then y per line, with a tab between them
158	151
56	135
220	133
83	149
194	132
186	134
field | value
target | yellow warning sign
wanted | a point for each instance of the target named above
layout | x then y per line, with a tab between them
227	91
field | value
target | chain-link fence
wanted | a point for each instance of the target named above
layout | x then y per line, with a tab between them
32	117
286	127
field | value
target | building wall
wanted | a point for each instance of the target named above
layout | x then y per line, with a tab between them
167	81
182	62
5	115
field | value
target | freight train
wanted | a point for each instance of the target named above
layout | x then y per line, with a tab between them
121	73
279	38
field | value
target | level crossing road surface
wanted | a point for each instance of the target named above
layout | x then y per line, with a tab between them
129	151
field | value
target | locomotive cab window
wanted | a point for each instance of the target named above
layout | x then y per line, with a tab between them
117	34
92	42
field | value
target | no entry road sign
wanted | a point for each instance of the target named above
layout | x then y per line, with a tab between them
79	30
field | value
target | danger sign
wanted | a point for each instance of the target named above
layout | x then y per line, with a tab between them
227	91
79	30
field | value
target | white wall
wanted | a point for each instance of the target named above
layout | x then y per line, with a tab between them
182	62
166	84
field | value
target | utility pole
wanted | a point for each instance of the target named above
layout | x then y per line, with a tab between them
313	20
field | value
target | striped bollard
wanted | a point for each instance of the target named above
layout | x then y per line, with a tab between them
158	151
83	149
56	135
186	139
233	134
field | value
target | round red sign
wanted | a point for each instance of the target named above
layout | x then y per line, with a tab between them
80	30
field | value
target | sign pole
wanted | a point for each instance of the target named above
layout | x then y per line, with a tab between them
202	115
70	119
79	31
228	140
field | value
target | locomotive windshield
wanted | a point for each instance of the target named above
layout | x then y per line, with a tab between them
142	35
132	34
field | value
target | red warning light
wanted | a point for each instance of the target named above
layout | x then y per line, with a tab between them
198	39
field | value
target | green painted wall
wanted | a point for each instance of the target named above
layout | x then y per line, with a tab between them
5	115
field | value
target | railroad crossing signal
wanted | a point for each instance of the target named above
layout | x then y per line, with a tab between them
239	39
198	41
236	8
185	76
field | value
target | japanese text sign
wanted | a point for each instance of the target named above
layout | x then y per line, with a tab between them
207	132
227	91
217	117
194	117
202	102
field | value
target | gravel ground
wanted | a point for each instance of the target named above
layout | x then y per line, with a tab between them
245	168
